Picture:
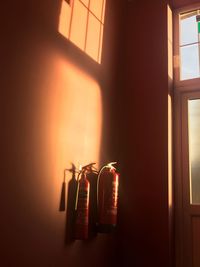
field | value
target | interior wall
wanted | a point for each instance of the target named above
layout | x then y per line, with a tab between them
45	129
56	112
143	126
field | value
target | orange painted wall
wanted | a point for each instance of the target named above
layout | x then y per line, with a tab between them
55	112
46	123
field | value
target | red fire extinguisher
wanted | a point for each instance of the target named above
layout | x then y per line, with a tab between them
107	198
82	204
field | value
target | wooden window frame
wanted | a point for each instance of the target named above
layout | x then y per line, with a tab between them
184	209
182	85
183	90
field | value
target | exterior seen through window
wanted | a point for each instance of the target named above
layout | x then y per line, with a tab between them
190	45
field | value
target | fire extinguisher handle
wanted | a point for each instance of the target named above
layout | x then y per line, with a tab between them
76	201
82	171
77	191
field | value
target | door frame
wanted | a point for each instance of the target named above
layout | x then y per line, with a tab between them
184	211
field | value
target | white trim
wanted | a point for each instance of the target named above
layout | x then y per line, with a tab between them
182	85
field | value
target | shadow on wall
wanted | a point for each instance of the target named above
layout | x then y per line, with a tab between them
70	204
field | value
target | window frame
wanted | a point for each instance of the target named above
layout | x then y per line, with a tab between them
183	90
182	85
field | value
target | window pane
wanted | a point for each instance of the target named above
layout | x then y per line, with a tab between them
189	30
194	145
96	7
93	36
78	28
189	62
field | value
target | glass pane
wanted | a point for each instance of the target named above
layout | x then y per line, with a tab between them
194	145
189	62
93	36
96	7
79	21
188	30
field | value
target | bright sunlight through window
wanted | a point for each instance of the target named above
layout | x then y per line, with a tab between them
190	45
82	22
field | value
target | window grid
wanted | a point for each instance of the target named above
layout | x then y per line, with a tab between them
187	15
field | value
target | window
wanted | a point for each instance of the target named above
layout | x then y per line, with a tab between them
194	149
186	134
187	46
190	45
82	22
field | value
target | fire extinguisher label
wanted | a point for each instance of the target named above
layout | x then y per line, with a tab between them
82	207
112	202
108	213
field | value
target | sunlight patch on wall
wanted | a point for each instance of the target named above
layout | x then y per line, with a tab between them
71	109
170	43
170	84
170	181
64	21
76	115
82	22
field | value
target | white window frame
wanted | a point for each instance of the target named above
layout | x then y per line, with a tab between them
182	85
183	90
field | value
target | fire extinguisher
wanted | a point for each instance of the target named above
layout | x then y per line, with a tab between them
107	197
82	204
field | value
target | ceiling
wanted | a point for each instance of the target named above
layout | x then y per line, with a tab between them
181	3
